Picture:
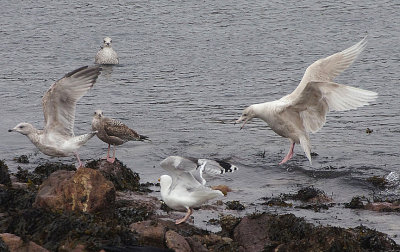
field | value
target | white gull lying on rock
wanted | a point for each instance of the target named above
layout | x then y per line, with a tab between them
303	111
113	132
106	55
185	188
59	103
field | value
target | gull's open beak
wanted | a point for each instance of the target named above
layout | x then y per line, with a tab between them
241	119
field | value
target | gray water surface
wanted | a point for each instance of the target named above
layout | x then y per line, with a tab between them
188	69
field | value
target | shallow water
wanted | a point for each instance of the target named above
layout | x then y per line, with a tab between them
189	68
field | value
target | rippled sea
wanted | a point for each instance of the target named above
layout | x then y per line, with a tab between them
187	70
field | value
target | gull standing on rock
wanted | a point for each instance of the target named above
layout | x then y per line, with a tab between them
106	55
186	189
113	132
59	103
303	111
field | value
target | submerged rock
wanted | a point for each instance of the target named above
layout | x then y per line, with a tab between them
122	177
234	205
23	159
85	190
4	175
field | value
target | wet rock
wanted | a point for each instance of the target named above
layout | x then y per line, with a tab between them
23	159
3	246
122	177
355	203
4	175
15	243
214	242
377	181
176	242
279	202
234	205
250	233
85	190
196	245
383	207
310	194
150	233
228	224
266	232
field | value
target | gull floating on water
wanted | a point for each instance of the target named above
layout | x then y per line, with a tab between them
106	55
185	188
113	132
59	104
303	111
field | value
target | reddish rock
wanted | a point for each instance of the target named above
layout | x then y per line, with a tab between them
150	233
176	242
16	244
84	190
196	245
383	207
250	233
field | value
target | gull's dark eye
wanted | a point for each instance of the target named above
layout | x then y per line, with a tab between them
245	114
95	113
21	127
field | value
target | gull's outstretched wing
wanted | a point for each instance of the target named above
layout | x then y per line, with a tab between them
59	102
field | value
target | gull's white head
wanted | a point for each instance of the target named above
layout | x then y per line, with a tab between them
247	114
107	42
23	128
98	114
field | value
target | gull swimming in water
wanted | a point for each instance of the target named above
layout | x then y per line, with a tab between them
59	103
106	55
186	189
113	132
303	111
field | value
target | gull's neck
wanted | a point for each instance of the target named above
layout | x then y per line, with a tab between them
264	111
34	136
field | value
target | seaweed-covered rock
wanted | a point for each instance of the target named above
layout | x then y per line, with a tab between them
267	232
122	177
23	159
234	205
84	190
15	243
41	172
4	175
310	194
355	203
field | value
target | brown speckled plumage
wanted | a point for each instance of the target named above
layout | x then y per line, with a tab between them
113	132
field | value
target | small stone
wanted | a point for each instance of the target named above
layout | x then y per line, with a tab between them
15	243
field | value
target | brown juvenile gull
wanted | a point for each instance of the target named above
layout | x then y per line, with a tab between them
59	103
185	189
113	132
106	55
303	111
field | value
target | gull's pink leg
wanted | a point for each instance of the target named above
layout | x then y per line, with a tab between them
188	213
79	161
289	155
108	152
111	160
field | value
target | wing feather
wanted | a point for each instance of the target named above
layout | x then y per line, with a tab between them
318	98
59	102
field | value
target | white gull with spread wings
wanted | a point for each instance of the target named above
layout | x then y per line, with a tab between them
59	103
303	111
185	188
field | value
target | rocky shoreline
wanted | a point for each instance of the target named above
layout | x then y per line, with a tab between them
104	207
